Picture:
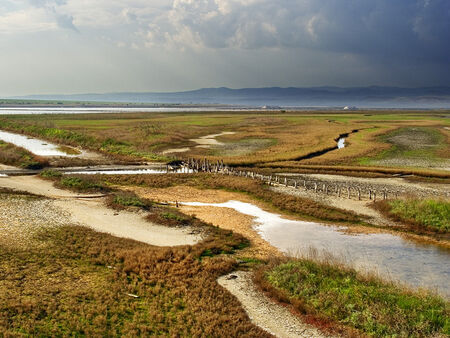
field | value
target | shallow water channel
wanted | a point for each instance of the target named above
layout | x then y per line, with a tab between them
35	146
341	143
130	172
393	257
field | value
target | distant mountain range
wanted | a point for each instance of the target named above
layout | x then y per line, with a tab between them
374	96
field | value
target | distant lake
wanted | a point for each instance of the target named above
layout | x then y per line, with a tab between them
93	110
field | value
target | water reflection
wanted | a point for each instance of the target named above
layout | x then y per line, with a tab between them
36	146
414	264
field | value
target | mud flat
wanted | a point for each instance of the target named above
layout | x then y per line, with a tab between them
202	142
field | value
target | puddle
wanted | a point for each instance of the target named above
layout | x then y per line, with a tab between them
202	142
341	143
36	146
393	257
130	172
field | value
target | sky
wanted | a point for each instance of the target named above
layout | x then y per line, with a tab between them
82	46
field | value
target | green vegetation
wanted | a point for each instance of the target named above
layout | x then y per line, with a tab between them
327	291
412	147
261	139
50	174
428	214
82	183
122	200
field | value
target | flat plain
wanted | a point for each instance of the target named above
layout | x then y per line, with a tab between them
60	277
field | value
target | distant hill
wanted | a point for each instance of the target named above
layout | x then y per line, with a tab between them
374	96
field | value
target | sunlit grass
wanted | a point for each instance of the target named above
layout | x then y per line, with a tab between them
332	292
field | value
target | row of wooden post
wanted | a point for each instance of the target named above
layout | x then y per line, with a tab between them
196	165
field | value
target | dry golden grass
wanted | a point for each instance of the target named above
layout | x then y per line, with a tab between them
80	282
16	156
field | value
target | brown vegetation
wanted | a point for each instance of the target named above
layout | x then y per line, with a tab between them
80	282
19	157
255	188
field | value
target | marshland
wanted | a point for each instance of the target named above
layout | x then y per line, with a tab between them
119	234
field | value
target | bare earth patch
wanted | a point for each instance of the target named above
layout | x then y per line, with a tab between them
21	217
94	214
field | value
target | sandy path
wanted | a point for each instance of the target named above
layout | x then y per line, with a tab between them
265	313
92	213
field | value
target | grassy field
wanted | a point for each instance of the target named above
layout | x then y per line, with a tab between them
72	281
329	294
261	138
423	214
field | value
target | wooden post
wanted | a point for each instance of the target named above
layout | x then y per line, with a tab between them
315	187
359	194
348	191
295	184
339	193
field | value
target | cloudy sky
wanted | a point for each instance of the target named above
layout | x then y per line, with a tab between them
78	46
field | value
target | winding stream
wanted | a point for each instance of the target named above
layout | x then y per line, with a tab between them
393	257
36	146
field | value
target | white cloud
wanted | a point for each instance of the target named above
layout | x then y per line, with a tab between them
26	21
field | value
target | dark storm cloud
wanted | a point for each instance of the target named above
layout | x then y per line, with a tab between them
186	44
374	28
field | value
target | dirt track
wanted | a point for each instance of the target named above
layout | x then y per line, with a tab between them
92	213
268	315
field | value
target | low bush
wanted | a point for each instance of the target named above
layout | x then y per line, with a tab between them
82	183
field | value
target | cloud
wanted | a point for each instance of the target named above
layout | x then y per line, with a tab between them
380	27
235	42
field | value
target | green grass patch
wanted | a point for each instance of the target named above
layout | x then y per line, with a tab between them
331	292
81	183
429	213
